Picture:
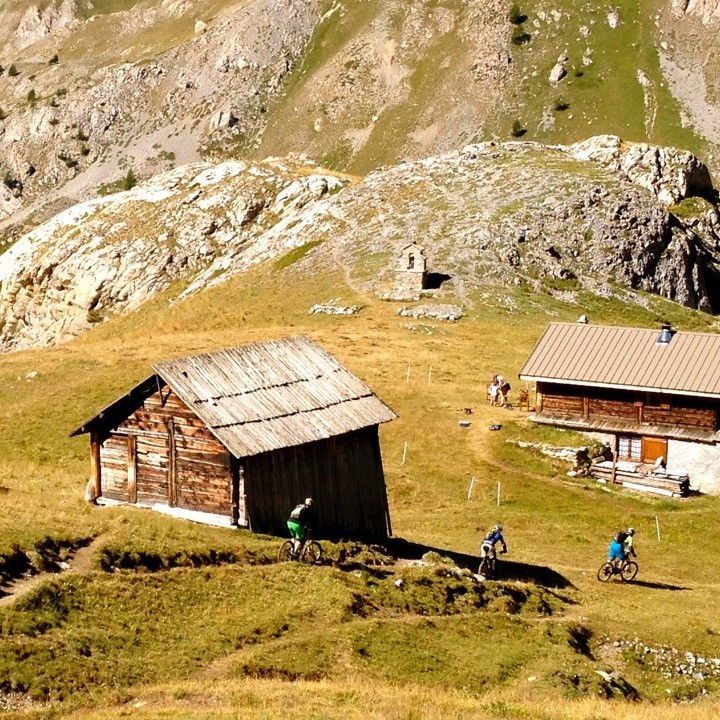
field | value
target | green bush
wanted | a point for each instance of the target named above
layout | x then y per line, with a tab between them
520	37
3	114
69	161
32	96
129	181
560	105
10	182
515	16
54	60
13	71
517	129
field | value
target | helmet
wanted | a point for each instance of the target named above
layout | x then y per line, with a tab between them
308	501
631	531
498	528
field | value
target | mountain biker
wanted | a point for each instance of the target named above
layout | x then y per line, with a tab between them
299	523
629	544
616	551
492	538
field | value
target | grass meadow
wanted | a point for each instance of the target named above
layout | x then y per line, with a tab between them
182	620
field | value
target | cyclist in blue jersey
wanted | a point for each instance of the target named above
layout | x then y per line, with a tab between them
487	548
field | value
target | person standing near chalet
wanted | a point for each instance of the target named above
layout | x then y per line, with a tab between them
300	522
503	389
493	391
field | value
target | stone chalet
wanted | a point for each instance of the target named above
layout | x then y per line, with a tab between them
651	392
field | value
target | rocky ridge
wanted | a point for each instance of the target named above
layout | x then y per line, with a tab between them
550	218
110	255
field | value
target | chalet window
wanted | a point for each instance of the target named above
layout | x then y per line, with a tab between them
655	400
630	448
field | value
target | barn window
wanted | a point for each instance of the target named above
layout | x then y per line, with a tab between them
411	261
630	448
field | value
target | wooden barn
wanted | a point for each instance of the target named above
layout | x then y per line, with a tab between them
653	393
240	436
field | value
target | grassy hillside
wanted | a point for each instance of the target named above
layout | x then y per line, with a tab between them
384	81
181	619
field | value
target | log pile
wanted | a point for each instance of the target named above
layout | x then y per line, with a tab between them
661	483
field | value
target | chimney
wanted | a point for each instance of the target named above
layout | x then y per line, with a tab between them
666	334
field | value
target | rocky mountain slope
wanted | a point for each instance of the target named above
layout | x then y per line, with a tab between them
555	219
92	90
111	254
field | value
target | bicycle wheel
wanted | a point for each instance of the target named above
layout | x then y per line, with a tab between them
629	570
285	551
487	568
312	552
605	572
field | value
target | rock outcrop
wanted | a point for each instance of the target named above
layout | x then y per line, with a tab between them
670	174
558	220
110	255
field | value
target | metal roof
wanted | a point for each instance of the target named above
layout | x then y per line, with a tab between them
629	358
266	396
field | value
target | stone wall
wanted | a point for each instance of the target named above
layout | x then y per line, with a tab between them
700	461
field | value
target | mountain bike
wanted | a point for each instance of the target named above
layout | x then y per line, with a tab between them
311	552
627	570
488	566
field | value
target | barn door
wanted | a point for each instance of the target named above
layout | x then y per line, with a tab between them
653	448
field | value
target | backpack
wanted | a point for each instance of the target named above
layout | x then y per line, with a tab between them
506	387
297	513
620	537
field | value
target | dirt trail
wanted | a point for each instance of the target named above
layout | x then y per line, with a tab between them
80	562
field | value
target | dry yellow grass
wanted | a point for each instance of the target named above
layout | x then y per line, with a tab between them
357	699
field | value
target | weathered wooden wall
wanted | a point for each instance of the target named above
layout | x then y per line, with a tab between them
607	402
343	475
170	455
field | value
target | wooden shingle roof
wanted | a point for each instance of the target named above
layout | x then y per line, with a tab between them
629	358
266	396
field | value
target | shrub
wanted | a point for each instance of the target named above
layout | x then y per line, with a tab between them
54	60
60	92
81	136
84	150
515	16
13	71
12	183
517	129
32	96
520	37
3	114
129	181
560	105
69	161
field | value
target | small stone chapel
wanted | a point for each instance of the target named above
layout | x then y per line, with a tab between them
411	270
